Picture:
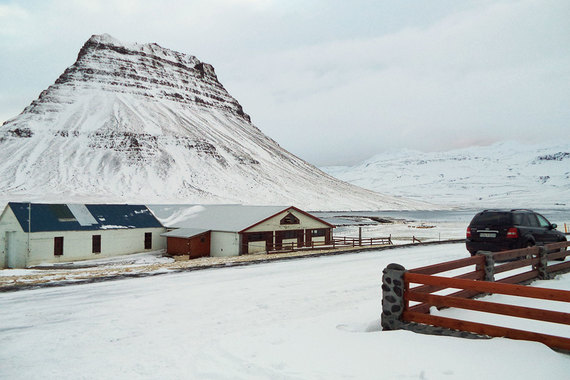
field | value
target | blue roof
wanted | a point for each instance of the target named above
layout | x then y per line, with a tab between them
62	217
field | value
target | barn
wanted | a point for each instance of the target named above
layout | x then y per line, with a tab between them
232	230
36	233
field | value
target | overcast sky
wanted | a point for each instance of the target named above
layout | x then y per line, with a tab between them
331	81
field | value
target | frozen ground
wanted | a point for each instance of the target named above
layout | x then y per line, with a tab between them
402	233
315	318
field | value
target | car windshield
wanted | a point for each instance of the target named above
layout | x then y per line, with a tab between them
492	218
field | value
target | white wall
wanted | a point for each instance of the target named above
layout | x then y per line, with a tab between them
256	246
77	245
224	244
19	240
286	243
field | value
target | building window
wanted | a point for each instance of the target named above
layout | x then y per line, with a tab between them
318	233
96	243
148	240
290	219
290	234
257	236
58	245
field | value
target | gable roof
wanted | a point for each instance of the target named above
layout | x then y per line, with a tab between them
82	217
230	218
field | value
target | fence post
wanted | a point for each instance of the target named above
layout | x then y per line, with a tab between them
392	296
489	266
542	265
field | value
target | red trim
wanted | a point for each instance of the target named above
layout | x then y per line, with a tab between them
284	210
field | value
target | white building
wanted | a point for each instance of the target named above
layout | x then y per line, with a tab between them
32	233
232	230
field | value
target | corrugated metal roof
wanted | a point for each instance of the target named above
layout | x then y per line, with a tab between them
232	218
59	217
184	232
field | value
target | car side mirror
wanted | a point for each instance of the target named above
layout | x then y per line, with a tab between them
553	226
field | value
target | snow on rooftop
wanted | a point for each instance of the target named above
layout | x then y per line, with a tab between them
184	232
214	217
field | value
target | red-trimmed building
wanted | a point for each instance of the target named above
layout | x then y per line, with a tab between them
232	230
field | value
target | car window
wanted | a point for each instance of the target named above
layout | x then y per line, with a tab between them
522	219
532	221
492	218
542	221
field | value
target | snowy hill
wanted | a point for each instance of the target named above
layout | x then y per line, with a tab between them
141	123
505	174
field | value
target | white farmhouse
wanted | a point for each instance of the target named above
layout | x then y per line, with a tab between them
35	233
232	230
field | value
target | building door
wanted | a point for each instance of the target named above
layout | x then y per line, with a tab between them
148	240
11	258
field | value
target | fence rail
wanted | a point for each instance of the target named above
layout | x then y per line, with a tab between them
480	280
354	241
337	242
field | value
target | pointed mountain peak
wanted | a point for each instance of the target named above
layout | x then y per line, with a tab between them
138	122
107	68
105	39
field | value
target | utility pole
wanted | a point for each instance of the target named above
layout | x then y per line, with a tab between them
29	230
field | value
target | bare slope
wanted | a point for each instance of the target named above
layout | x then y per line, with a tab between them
147	124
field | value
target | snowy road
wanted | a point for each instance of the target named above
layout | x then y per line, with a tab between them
304	319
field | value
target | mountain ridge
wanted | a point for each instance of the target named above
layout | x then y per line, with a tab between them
506	174
141	123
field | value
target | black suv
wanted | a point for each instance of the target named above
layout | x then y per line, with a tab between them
500	230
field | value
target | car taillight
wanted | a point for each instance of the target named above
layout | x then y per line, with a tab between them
512	233
468	232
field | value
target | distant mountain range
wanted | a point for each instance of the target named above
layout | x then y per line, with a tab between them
141	123
506	174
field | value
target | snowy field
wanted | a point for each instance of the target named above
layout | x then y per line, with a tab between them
314	318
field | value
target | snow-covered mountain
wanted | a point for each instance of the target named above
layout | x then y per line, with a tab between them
141	123
506	174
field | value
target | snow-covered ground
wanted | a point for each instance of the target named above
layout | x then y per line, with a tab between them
314	318
403	233
503	175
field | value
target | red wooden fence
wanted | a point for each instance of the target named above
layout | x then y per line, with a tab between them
539	261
